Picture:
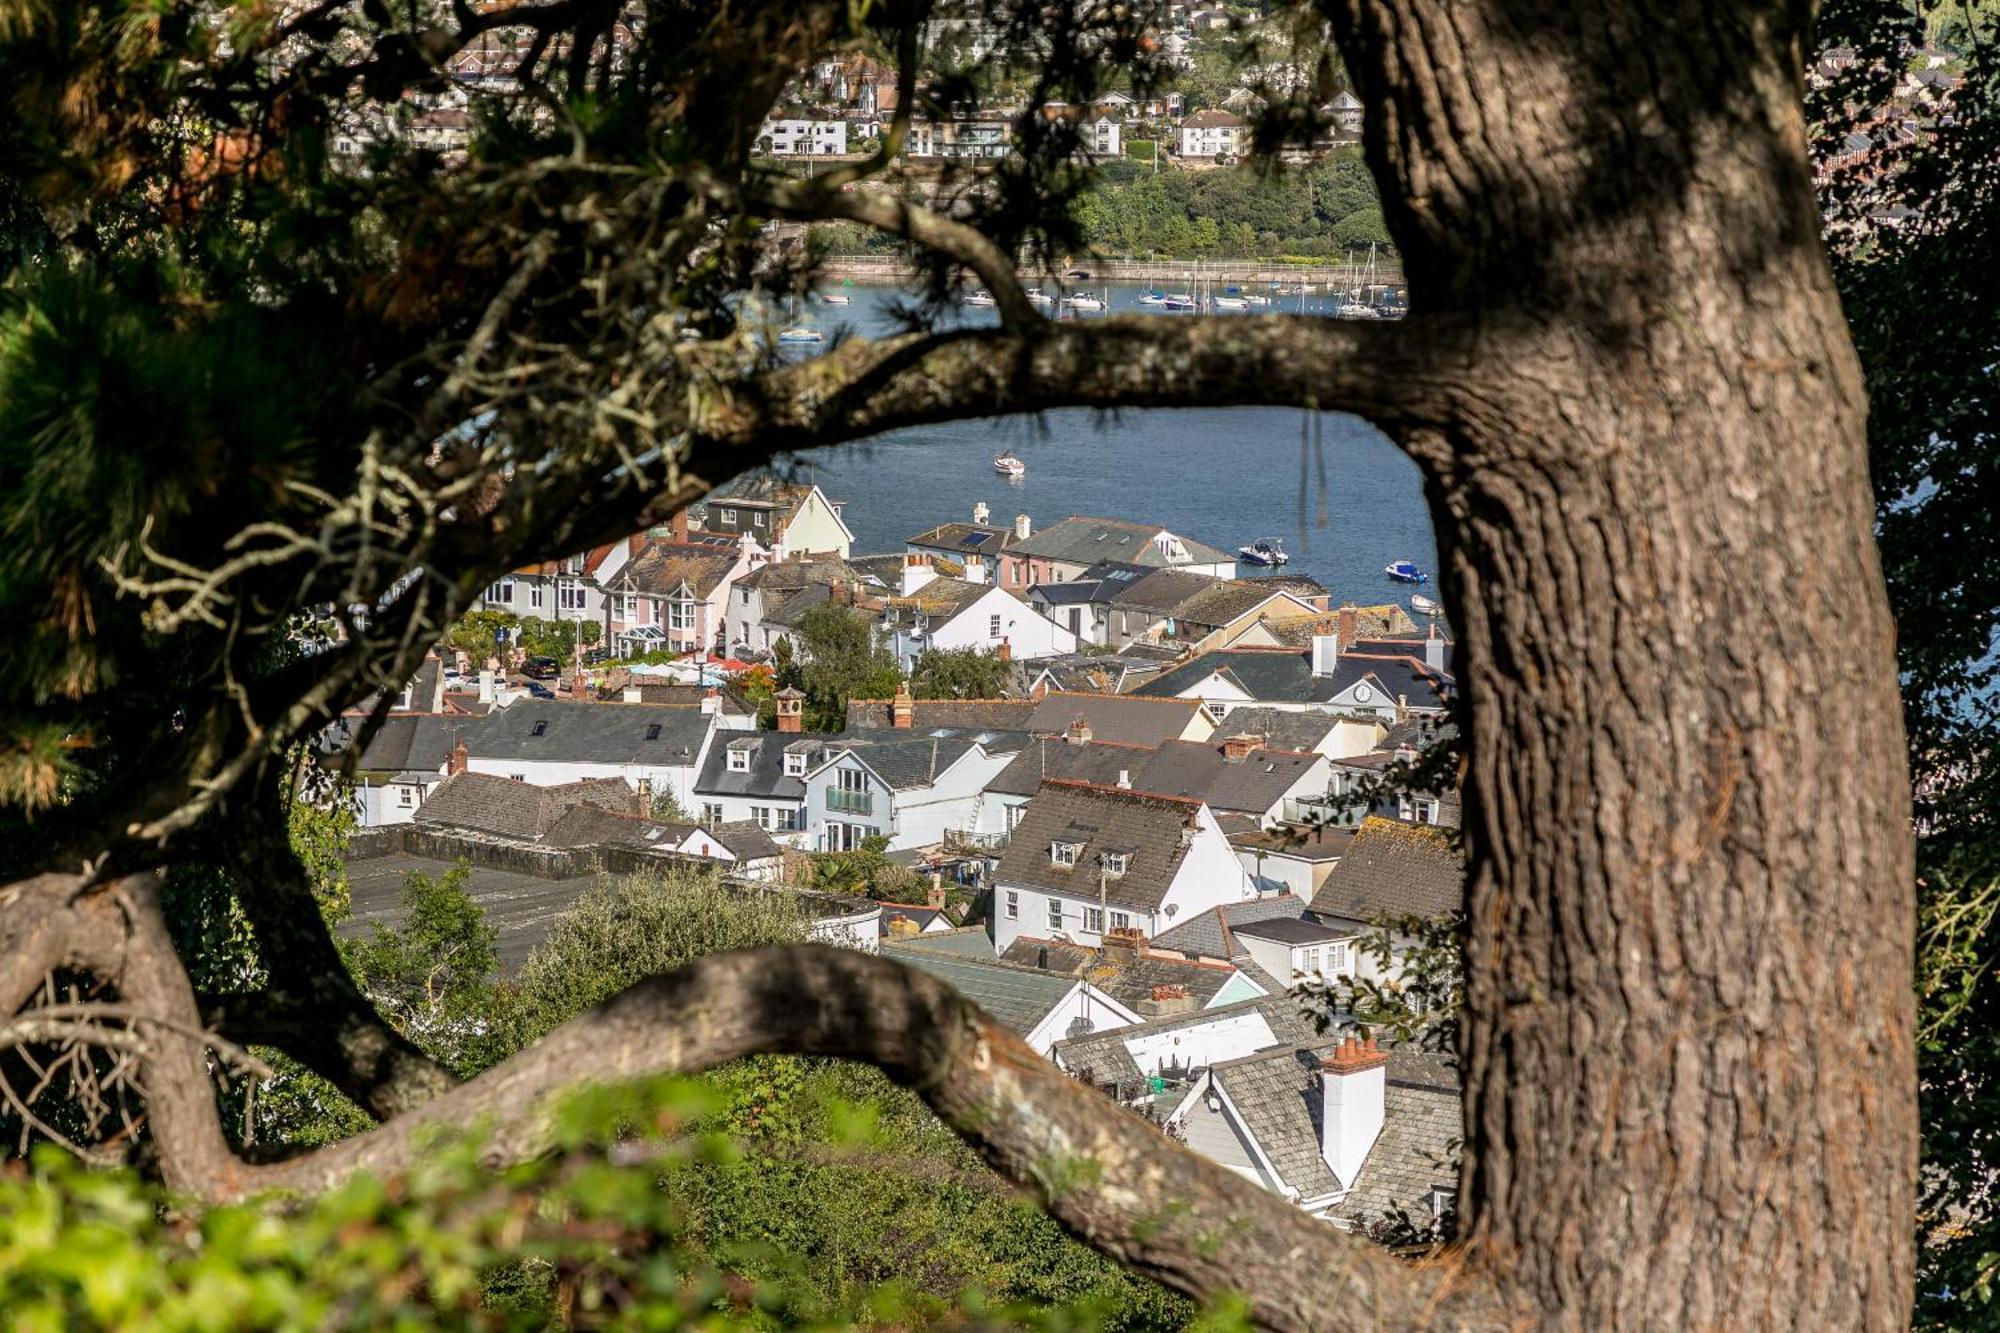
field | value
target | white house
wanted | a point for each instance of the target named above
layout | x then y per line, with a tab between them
1384	680
1087	859
676	594
1041	1007
793	520
938	612
1104	137
1212	133
548	743
910	787
802	138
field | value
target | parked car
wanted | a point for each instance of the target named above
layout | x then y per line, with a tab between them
596	656
538	691
542	668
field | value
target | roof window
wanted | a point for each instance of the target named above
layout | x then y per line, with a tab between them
652	731
541	728
1063	853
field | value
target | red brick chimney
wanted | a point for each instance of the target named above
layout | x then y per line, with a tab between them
934	895
791	710
460	757
1354	1055
902	708
1005	652
1079	732
1348	624
1235	749
680	525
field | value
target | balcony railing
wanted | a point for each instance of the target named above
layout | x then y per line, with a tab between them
973	839
850	802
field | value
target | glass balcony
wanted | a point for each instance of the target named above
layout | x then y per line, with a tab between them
850	802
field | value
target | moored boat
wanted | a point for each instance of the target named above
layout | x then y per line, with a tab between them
982	297
1154	298
1178	301
1040	299
801	336
836	298
1424	606
1265	552
1230	303
1007	465
1405	571
1085	301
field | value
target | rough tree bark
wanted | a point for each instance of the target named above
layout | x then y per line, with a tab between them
1689	1063
1690	1086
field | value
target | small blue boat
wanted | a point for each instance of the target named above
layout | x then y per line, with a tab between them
1405	571
1154	297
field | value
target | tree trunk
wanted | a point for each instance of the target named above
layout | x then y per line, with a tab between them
1688	1052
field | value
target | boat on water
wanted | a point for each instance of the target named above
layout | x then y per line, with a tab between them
1424	606
1405	571
835	298
1258	302
982	298
1178	301
1230	302
1007	465
1153	299
1353	309
1266	552
801	336
1085	301
1040	299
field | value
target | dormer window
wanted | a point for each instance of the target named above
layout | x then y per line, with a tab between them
1063	853
795	765
1115	863
541	728
739	761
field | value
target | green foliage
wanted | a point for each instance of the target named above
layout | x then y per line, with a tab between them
474	632
866	872
432	973
838	660
1329	209
633	928
958	673
1413	997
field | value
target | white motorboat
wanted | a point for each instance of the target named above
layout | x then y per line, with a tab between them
1153	299
800	336
1267	552
1352	309
1230	302
1007	465
1040	299
1424	606
836	298
981	298
1085	301
1178	301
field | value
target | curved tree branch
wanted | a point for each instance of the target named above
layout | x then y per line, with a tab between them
1105	1174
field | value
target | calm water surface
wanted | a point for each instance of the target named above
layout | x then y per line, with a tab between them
1225	476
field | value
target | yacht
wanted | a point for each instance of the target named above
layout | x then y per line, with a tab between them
981	298
1266	552
1007	465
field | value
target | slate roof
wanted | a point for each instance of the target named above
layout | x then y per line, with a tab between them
1043	758
1127	981
1085	541
1302	586
935	602
1019	997
1226	600
965	538
1281	675
1105	1056
1146	828
766	776
910	760
1290	931
405	743
1163	591
1422	1126
592	733
487	803
1277	1097
792	607
1385	621
1309	842
1281	728
1393	869
779	575
746	840
1419	733
977	714
1253	785
663	567
1127	719
674	695
1088	673
1207	935
591	825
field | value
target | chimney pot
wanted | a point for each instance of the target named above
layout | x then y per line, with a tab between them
1348	625
1325	654
1023	529
981	513
460	757
1079	732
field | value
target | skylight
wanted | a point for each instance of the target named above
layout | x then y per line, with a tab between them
541	728
652	731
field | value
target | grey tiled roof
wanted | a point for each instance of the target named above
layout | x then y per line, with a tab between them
746	840
1088	673
978	714
1281	728
1144	827
791	575
1422	1126
1225	600
1126	718
594	733
766	775
911	761
662	568
1393	869
1202	936
1105	1056
405	742
1277	1095
1046	757
589	825
1289	930
1252	785
966	538
1017	996
1085	541
1164	590
1285	676
487	803
1126	981
1314	842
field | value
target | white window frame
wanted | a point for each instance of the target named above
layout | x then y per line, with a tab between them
1116	863
795	765
1013	904
850	780
680	614
502	591
570	594
785	819
993	626
1055	914
1339	959
535	596
1121	921
1093	920
1015	814
1062	853
711	813
405	797
739	761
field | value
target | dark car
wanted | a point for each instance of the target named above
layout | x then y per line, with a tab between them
542	668
539	691
1079	273
596	656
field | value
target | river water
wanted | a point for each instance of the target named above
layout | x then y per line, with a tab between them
1224	476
